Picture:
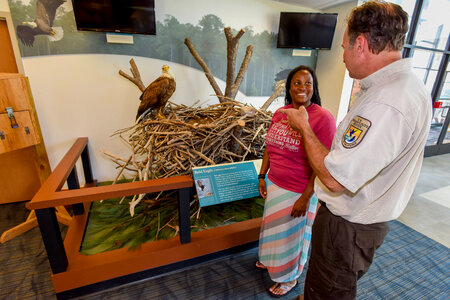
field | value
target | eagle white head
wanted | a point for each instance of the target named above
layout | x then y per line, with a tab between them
30	24
167	72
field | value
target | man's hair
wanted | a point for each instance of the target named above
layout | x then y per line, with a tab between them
315	98
384	25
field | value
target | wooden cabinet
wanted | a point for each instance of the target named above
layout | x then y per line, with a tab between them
17	123
19	136
24	163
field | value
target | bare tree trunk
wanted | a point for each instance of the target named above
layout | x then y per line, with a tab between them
205	68
232	83
232	46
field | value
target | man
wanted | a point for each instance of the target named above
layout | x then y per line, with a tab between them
368	176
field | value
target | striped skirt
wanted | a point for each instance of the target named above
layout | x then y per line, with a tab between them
284	240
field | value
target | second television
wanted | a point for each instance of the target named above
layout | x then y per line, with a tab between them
306	30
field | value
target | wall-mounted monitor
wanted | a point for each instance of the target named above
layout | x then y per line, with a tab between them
123	16
306	30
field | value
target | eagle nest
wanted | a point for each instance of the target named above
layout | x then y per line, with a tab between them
191	137
187	137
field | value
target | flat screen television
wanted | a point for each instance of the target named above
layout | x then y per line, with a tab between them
306	30
123	16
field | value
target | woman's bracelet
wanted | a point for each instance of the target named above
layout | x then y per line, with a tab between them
262	176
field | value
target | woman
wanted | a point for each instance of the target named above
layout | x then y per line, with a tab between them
290	206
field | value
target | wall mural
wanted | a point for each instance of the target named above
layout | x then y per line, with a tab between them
268	63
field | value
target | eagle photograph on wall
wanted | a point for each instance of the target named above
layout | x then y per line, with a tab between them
157	93
42	24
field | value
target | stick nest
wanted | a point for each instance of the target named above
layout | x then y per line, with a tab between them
191	137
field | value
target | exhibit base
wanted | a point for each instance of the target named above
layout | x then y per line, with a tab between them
88	269
112	268
72	270
139	277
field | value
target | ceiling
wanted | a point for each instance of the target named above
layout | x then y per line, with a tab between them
315	4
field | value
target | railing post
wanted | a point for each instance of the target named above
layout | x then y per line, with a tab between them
74	184
184	220
86	165
51	235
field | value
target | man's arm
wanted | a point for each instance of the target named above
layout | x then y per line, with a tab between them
315	150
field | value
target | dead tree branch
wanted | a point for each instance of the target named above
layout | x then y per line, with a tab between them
232	83
232	46
205	68
280	90
242	70
136	79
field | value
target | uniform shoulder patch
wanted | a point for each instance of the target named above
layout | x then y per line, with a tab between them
355	132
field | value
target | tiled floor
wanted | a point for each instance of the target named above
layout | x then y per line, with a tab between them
428	211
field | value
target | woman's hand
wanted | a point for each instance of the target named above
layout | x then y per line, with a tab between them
262	188
300	206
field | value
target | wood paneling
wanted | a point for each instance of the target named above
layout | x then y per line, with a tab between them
19	137
13	92
19	179
24	164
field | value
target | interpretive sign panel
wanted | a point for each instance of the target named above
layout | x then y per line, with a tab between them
227	182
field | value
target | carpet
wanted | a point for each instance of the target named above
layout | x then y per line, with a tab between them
407	266
24	267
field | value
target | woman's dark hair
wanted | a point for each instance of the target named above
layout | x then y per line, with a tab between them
315	97
384	25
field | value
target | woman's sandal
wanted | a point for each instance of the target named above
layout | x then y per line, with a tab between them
260	266
286	289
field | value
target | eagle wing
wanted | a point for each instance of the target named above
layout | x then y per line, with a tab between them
52	6
45	14
26	34
156	94
42	18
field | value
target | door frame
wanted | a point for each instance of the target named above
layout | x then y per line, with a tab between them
4	15
440	147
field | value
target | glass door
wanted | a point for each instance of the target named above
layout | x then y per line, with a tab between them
428	44
439	138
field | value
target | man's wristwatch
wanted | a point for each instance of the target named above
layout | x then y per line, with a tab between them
262	176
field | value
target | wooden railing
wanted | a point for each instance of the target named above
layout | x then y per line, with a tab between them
73	270
50	196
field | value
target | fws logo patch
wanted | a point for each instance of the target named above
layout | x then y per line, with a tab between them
355	132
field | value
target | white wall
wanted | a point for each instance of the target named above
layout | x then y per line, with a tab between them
83	95
330	67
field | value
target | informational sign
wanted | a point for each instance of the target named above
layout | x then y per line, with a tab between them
227	182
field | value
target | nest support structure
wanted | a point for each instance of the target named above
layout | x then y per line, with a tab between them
72	270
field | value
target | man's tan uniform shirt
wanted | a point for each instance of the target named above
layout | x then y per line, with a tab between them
378	148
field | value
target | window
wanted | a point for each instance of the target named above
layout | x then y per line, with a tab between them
428	45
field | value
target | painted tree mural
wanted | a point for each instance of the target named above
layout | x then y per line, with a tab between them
168	44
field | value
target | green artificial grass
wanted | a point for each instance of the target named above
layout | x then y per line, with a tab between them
110	225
